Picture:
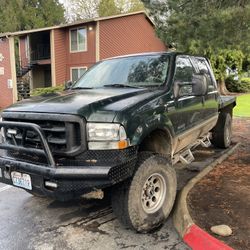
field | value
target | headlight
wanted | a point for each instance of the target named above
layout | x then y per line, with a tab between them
106	136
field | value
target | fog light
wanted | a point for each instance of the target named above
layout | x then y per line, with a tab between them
12	131
51	184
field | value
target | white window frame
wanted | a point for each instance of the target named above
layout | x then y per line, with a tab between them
86	45
80	67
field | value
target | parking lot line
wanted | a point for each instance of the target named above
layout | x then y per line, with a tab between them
5	188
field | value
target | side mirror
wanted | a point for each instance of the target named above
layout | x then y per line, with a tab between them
203	71
183	89
200	85
68	85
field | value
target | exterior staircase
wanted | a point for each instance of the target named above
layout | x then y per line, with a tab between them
23	90
21	71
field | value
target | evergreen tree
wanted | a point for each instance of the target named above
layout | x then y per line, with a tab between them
218	29
107	8
28	14
11	12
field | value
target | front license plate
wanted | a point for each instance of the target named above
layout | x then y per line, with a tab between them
21	180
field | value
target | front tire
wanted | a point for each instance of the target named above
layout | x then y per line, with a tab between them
144	202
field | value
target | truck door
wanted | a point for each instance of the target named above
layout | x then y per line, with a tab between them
210	107
186	117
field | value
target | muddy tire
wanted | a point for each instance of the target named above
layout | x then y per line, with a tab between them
144	202
222	133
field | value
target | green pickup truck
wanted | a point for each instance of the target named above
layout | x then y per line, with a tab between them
121	127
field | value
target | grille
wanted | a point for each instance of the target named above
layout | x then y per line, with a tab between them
65	134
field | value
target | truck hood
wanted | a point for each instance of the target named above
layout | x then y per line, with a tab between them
93	104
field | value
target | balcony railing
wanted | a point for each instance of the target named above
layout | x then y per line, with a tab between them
41	52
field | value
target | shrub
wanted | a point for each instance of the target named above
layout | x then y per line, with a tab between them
45	91
241	86
231	84
245	80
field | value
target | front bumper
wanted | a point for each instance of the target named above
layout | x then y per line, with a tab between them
73	177
71	181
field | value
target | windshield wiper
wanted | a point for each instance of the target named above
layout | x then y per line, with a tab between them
119	85
82	88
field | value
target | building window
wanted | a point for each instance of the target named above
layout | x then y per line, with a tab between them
76	73
78	39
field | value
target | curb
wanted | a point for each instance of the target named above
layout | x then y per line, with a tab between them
192	235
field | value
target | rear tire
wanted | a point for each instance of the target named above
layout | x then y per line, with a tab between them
222	132
144	202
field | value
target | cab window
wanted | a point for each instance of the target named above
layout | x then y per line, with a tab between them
184	73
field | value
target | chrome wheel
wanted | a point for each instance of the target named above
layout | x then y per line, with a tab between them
153	193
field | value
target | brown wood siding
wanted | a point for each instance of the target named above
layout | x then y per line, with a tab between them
65	60
60	56
6	94
22	52
82	59
128	35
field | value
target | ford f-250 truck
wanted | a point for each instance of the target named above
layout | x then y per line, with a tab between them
122	126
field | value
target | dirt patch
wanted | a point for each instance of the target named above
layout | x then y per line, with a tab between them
223	196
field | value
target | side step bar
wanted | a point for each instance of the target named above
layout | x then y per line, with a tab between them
205	142
186	156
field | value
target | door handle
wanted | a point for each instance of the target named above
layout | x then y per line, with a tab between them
169	108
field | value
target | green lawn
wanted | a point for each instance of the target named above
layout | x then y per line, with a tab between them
243	106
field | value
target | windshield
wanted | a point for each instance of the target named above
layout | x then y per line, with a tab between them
135	71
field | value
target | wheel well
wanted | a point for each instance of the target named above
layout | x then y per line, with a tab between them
228	109
158	141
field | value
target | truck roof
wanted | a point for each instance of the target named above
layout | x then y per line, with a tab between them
144	54
153	53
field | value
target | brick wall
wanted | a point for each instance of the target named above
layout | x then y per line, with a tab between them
128	35
6	96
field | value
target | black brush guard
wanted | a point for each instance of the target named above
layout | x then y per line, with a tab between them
46	152
70	179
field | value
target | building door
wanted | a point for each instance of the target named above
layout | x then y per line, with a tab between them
47	78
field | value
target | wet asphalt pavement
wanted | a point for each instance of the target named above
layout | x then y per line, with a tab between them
28	222
34	223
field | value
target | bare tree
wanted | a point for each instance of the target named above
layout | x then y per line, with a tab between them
129	5
80	9
88	9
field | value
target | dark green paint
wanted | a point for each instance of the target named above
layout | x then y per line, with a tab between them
139	110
